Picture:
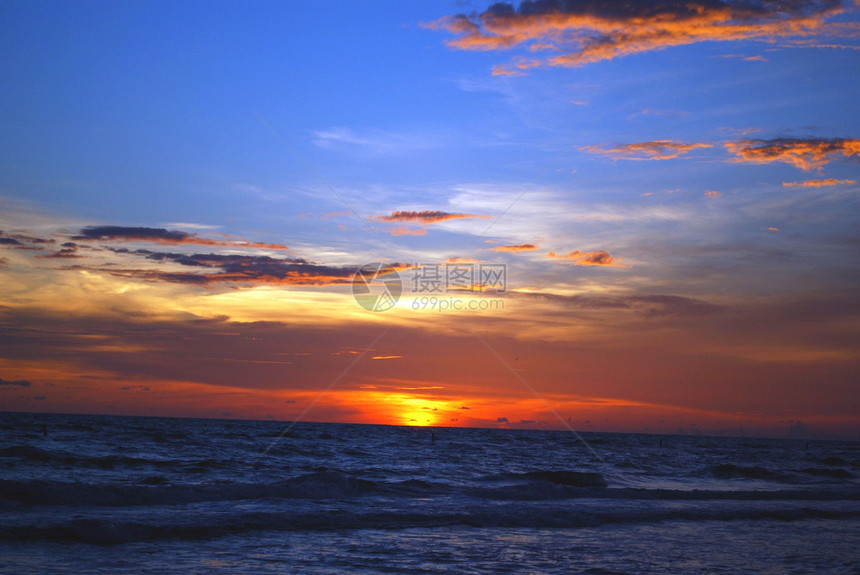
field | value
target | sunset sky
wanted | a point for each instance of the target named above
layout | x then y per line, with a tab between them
187	189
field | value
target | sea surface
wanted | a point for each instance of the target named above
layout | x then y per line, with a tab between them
105	494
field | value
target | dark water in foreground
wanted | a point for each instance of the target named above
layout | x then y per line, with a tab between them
102	494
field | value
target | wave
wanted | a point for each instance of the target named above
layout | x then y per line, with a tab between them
732	471
32	454
154	490
103	530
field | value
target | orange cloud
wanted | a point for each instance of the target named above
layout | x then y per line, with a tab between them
806	154
656	150
406	231
817	183
594	30
713	194
516	248
502	70
423	217
598	258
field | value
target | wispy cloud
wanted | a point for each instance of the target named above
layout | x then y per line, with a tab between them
374	142
406	231
803	153
745	58
579	33
818	183
654	150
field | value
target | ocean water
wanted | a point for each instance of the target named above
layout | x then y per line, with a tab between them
104	494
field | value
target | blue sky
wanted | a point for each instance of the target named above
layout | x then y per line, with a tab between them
721	168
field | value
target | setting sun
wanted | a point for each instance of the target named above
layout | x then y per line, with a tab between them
414	411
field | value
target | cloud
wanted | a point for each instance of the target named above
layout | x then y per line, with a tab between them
406	231
818	183
230	268
502	70
516	248
599	258
803	153
655	150
422	217
163	236
68	250
19	383
23	242
587	31
650	305
374	142
745	58
713	194
502	420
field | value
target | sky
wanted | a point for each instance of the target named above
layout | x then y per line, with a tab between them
590	215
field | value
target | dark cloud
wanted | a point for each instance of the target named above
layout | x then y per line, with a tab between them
649	305
163	236
24	242
803	153
239	268
67	250
423	217
19	383
502	420
131	233
579	32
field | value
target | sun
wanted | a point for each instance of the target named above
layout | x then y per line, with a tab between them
416	411
422	418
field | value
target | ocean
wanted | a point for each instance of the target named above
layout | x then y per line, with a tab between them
109	494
